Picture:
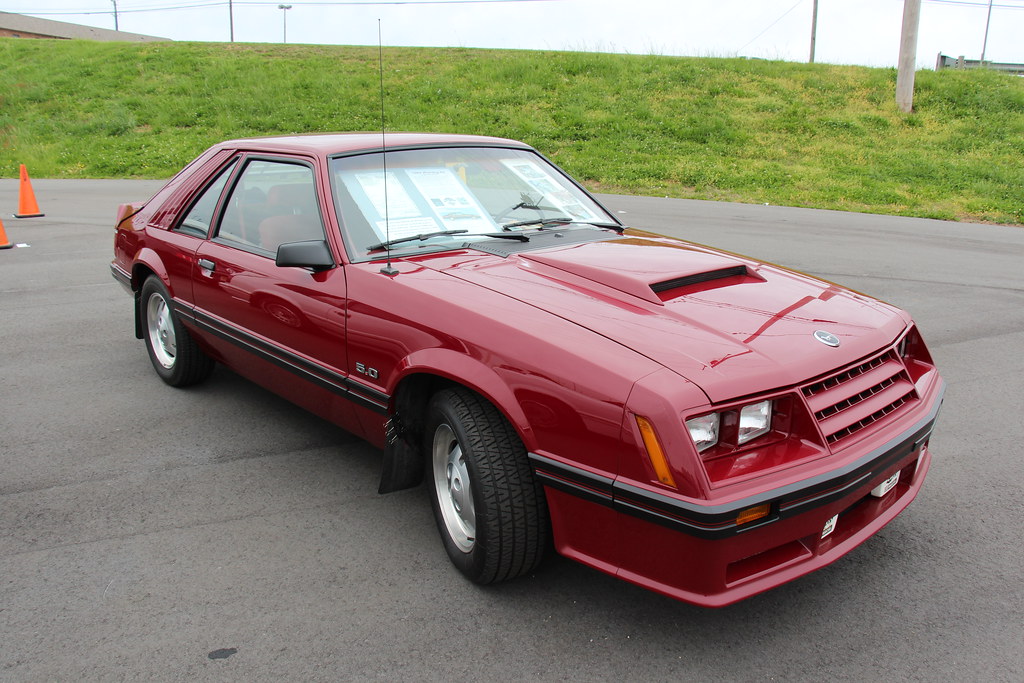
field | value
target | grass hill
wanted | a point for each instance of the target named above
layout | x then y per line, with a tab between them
731	129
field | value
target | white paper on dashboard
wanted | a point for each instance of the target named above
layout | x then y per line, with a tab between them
399	203
450	199
551	192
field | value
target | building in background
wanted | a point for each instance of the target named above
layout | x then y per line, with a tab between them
946	62
22	26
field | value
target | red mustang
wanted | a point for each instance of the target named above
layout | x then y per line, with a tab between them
699	423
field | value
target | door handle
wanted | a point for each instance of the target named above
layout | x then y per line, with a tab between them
207	264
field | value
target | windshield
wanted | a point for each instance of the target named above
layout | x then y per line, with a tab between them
445	198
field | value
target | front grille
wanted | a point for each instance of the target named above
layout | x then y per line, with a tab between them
850	400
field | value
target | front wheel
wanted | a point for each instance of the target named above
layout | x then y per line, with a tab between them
489	508
176	357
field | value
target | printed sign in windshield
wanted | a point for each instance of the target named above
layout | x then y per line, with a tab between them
554	195
418	201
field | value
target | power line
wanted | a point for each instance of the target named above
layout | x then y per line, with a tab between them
222	3
969	3
163	8
784	14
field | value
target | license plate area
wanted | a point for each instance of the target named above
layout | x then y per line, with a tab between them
830	526
886	486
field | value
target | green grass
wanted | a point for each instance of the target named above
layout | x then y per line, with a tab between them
731	129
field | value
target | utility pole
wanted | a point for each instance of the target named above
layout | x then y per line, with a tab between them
908	56
115	17
284	17
814	29
988	21
231	19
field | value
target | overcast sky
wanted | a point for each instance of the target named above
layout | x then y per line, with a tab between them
863	32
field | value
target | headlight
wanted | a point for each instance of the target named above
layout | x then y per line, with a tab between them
731	428
704	431
755	421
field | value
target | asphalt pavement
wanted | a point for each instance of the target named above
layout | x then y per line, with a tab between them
221	533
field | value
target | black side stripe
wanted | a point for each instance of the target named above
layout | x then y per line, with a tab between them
719	521
581	483
630	500
323	377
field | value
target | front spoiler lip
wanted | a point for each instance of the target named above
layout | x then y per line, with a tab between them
719	521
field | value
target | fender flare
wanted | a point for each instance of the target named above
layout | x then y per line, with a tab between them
474	375
150	260
402	466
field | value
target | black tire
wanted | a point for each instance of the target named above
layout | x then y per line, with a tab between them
176	357
469	442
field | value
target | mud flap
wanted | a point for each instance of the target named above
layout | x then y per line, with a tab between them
403	463
138	313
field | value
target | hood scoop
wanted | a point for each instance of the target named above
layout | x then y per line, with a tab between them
653	271
699	278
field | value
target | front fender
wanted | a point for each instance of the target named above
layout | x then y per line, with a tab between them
473	374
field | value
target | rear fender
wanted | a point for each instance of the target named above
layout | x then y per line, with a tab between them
146	262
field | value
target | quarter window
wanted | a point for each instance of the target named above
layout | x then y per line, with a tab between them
199	218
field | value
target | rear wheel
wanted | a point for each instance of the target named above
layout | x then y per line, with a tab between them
176	357
489	509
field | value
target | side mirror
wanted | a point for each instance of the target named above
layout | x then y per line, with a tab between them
315	254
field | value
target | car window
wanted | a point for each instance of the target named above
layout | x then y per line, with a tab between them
273	202
450	196
198	219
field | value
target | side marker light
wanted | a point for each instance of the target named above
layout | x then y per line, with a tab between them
753	514
654	451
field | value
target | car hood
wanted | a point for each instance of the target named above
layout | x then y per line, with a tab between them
732	326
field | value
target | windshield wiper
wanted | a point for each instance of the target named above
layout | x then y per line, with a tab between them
563	220
558	220
542	222
526	202
441	233
413	238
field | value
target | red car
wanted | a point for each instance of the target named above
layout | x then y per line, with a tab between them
699	423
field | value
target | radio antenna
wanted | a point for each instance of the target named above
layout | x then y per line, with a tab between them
388	269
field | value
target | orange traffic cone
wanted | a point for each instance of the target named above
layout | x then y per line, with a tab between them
4	242
27	207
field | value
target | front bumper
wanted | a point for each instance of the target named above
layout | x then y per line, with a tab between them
696	552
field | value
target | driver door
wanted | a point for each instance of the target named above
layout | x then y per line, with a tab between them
283	327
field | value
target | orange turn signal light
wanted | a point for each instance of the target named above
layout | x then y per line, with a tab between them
753	514
655	453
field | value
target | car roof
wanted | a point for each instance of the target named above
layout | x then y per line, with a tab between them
327	144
